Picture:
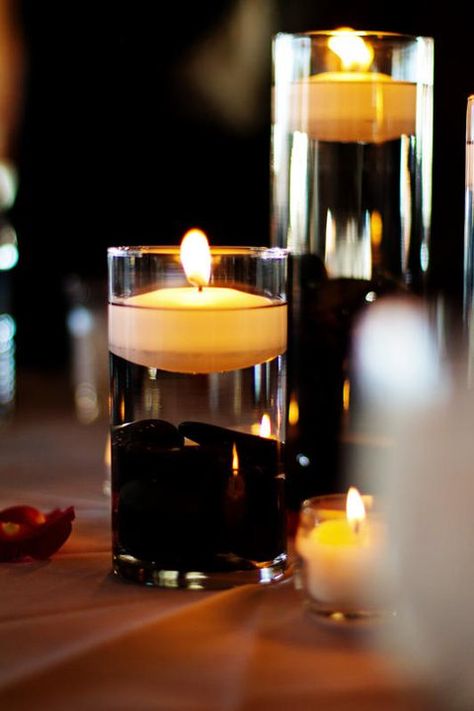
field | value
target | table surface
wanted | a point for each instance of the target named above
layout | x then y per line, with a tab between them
74	636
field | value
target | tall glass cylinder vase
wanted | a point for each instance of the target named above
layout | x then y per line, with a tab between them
351	199
198	377
469	240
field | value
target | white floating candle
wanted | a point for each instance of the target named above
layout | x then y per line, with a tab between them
354	104
197	329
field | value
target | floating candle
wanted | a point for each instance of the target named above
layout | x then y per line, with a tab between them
200	328
354	104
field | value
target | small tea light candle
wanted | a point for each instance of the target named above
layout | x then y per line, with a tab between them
340	547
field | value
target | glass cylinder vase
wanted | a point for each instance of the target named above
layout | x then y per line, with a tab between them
198	417
469	240
351	200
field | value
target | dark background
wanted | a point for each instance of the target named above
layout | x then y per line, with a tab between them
115	148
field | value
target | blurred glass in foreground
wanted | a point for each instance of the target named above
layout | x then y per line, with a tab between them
425	474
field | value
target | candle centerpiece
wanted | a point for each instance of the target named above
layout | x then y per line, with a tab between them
340	543
351	200
193	334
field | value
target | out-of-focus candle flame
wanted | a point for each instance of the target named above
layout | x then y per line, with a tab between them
355	509
265	426
107	452
195	257
376	228
293	411
354	53
235	461
346	395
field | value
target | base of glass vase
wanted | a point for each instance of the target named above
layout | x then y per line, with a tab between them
149	573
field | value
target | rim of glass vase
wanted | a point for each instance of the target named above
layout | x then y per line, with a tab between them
137	250
373	34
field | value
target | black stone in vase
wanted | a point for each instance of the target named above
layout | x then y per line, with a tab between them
183	507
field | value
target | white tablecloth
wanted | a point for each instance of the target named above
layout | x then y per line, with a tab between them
74	637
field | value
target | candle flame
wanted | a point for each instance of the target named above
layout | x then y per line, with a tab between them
235	461
376	228
354	53
346	395
293	411
265	426
355	509
196	257
107	452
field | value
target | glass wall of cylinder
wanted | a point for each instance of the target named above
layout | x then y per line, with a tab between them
351	191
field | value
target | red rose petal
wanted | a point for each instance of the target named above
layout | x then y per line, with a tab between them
12	531
52	534
24	535
23	514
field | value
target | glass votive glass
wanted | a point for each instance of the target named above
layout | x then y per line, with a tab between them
340	561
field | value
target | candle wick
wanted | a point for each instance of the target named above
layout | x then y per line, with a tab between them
200	287
356	527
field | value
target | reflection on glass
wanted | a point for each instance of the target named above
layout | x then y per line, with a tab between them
7	364
86	324
8	247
